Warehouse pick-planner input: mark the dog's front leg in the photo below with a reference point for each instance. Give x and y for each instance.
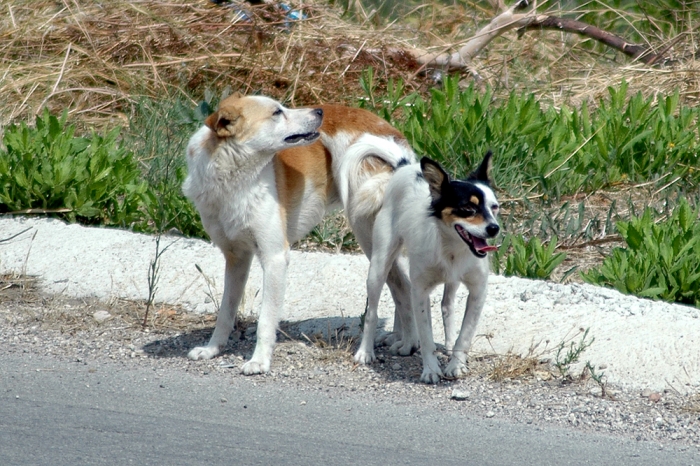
(420, 299)
(235, 277)
(448, 315)
(274, 268)
(457, 367)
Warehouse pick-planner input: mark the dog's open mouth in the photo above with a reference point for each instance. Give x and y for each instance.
(308, 137)
(478, 245)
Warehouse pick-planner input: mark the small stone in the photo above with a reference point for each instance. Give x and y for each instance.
(396, 367)
(646, 393)
(490, 414)
(101, 316)
(655, 397)
(459, 395)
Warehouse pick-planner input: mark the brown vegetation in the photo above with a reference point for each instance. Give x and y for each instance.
(96, 58)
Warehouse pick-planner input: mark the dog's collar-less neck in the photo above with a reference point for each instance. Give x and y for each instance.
(238, 166)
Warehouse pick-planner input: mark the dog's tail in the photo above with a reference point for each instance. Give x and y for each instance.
(364, 170)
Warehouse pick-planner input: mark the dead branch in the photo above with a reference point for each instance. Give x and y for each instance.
(461, 59)
(638, 52)
(524, 22)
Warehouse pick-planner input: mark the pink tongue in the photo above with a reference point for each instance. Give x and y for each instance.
(481, 246)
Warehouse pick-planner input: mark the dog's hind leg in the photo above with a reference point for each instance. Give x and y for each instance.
(384, 252)
(448, 315)
(420, 298)
(274, 268)
(457, 367)
(235, 277)
(397, 281)
(400, 288)
(403, 340)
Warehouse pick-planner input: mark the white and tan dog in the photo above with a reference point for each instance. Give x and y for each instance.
(262, 176)
(443, 225)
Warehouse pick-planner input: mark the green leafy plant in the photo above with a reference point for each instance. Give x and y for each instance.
(529, 259)
(91, 179)
(598, 377)
(660, 260)
(334, 233)
(158, 135)
(552, 151)
(571, 354)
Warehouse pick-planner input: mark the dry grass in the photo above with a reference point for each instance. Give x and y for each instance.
(95, 58)
(692, 404)
(70, 315)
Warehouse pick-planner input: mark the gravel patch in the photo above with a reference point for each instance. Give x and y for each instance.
(96, 334)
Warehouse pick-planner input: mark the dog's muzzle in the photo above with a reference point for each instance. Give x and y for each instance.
(478, 245)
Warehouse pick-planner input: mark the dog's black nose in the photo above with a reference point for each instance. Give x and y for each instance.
(319, 112)
(492, 230)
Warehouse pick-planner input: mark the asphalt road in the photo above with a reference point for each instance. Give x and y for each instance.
(56, 412)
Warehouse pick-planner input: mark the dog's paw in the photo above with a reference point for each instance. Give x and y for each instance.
(455, 369)
(404, 348)
(387, 339)
(253, 367)
(203, 352)
(430, 376)
(365, 357)
(431, 369)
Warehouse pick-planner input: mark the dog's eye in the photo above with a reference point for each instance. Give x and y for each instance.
(464, 213)
(277, 112)
(494, 208)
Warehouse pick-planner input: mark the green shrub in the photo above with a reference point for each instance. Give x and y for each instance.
(529, 259)
(661, 260)
(158, 135)
(91, 179)
(551, 151)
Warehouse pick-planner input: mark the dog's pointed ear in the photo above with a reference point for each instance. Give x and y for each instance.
(482, 172)
(224, 121)
(434, 175)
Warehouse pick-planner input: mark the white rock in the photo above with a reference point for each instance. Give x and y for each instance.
(102, 316)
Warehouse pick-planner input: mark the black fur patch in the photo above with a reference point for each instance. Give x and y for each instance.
(457, 195)
(402, 162)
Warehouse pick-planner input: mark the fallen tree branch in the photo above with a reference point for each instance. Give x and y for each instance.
(638, 52)
(510, 19)
(462, 58)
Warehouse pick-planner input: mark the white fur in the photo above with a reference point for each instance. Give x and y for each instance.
(232, 184)
(436, 255)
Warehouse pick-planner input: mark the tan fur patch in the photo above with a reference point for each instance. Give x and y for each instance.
(338, 118)
(238, 117)
(295, 168)
(375, 165)
(474, 200)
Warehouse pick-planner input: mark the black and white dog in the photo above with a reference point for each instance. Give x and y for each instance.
(443, 224)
